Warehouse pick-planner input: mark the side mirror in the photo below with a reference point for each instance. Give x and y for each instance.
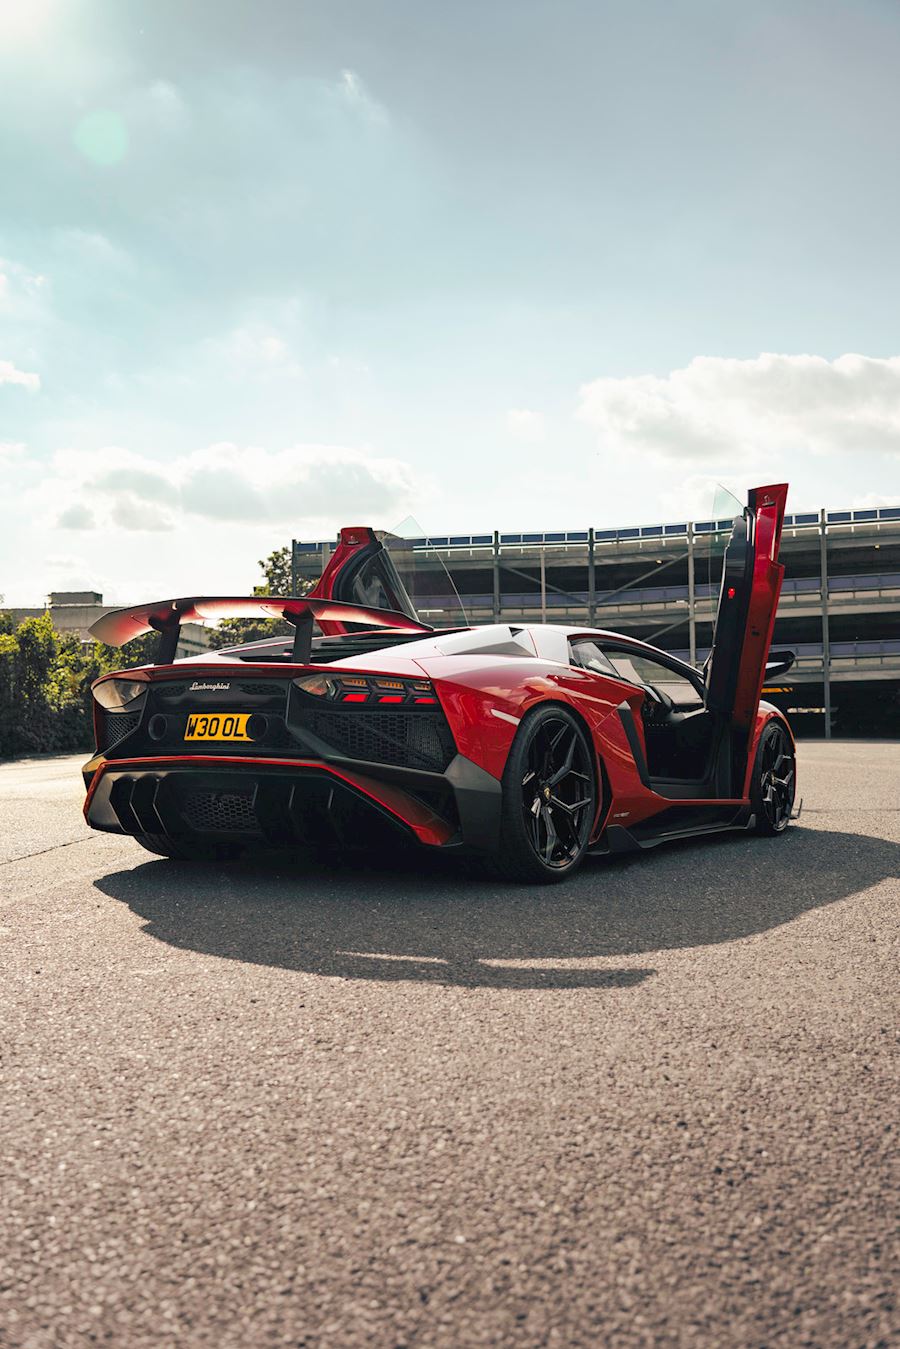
(779, 663)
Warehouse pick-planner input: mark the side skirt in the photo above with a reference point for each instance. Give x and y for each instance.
(617, 839)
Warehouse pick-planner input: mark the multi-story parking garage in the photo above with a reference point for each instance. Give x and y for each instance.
(839, 609)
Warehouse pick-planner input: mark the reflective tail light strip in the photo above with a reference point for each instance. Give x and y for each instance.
(336, 687)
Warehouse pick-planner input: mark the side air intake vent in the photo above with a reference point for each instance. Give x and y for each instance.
(114, 726)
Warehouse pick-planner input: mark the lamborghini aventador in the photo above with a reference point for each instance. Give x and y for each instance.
(532, 745)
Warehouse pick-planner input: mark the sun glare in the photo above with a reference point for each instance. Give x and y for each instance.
(23, 20)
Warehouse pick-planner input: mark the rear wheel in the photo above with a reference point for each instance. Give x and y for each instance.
(549, 798)
(774, 780)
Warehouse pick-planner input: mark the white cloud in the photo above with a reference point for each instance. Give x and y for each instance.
(9, 374)
(12, 449)
(525, 424)
(17, 281)
(129, 511)
(223, 494)
(305, 488)
(78, 516)
(710, 496)
(354, 92)
(166, 104)
(715, 407)
(874, 499)
(254, 350)
(93, 249)
(146, 484)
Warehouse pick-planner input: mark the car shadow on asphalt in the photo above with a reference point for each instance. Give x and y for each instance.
(434, 920)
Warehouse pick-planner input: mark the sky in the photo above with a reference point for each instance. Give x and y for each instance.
(268, 268)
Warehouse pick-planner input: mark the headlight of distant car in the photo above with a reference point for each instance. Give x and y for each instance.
(115, 695)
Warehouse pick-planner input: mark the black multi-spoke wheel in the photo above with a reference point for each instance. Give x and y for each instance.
(774, 780)
(549, 797)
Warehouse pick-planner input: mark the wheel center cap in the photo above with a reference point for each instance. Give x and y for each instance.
(546, 793)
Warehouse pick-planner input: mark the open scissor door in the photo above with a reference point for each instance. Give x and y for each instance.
(361, 567)
(400, 570)
(748, 598)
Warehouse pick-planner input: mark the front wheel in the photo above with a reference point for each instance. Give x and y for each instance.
(774, 780)
(549, 798)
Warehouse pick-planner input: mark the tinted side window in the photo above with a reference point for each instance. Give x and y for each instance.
(640, 669)
(588, 656)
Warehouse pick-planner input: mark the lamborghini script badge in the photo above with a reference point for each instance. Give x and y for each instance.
(207, 688)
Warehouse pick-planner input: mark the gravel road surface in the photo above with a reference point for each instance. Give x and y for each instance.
(278, 1105)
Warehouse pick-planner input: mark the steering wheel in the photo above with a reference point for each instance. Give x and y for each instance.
(662, 703)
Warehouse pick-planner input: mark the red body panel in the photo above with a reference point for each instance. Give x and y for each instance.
(484, 695)
(768, 573)
(351, 540)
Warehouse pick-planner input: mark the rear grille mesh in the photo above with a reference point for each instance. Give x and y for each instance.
(115, 726)
(226, 811)
(403, 739)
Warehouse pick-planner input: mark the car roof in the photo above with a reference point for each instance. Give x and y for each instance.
(544, 641)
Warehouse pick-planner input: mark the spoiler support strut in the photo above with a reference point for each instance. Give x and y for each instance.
(169, 631)
(303, 626)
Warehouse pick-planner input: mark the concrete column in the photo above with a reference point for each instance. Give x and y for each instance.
(592, 582)
(692, 606)
(543, 587)
(496, 566)
(826, 640)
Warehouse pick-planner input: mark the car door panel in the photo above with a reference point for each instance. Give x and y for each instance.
(748, 598)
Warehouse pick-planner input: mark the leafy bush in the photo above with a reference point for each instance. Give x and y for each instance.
(45, 685)
(46, 677)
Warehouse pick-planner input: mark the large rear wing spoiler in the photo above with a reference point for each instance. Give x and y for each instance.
(166, 617)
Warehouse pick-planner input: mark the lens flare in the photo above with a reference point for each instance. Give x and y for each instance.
(102, 137)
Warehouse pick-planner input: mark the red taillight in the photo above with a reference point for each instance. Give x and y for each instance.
(345, 688)
(731, 592)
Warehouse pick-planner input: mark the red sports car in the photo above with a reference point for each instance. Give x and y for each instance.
(530, 744)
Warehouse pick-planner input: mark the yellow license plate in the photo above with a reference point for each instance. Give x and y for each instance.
(217, 726)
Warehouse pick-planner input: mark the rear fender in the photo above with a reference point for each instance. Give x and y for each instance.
(484, 712)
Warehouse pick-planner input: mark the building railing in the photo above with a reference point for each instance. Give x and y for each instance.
(800, 520)
(814, 650)
(639, 596)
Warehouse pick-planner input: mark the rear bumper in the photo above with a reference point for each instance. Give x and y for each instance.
(292, 802)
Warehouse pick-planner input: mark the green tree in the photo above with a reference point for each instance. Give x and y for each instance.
(45, 677)
(9, 652)
(139, 651)
(37, 650)
(276, 569)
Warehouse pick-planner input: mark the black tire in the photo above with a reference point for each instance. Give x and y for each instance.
(549, 798)
(774, 781)
(163, 846)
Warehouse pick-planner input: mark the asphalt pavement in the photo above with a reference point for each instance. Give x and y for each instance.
(284, 1104)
